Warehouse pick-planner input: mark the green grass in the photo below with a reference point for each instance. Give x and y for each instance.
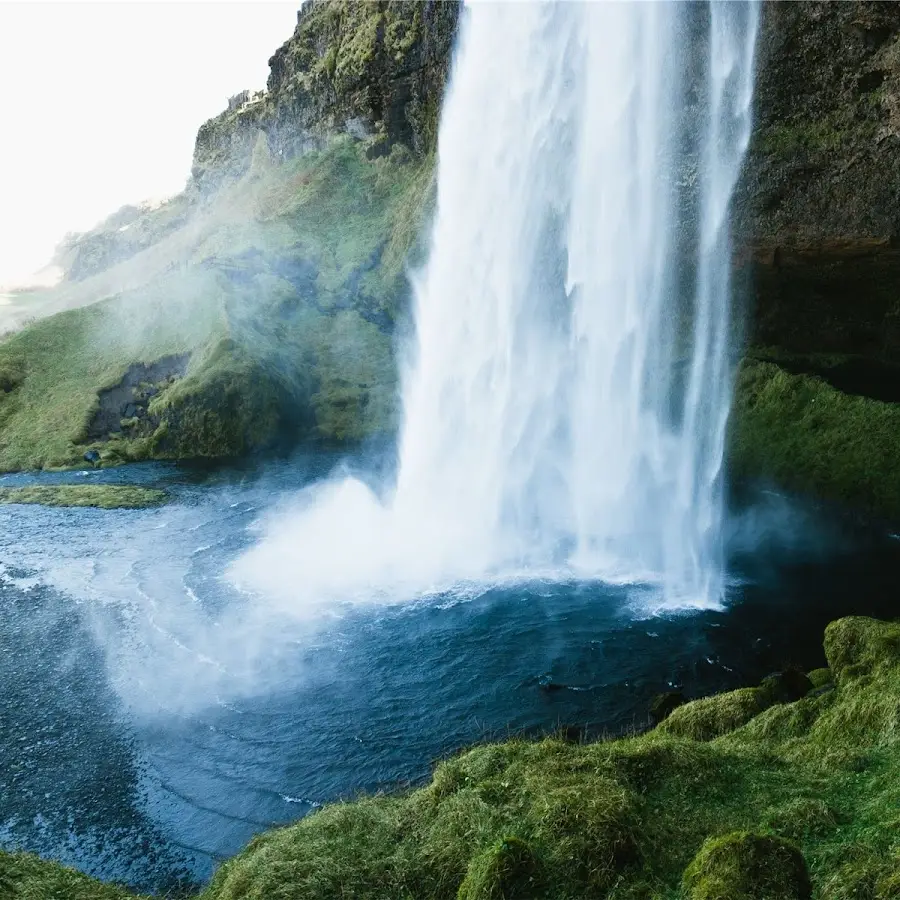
(104, 496)
(746, 806)
(280, 299)
(746, 866)
(25, 877)
(809, 437)
(57, 366)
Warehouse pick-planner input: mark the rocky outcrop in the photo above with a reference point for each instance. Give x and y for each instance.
(374, 70)
(817, 213)
(824, 164)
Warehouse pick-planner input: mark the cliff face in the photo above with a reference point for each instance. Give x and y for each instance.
(824, 165)
(374, 69)
(274, 281)
(818, 209)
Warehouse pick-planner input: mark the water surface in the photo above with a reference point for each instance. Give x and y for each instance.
(154, 718)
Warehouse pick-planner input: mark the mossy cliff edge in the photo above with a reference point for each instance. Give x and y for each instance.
(260, 308)
(739, 796)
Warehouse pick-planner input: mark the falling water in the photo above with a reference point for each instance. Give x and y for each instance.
(566, 403)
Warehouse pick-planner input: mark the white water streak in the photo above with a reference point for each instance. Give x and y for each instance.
(545, 425)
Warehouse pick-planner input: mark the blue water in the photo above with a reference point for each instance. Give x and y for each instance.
(153, 718)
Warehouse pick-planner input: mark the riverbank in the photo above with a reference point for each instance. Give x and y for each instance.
(739, 795)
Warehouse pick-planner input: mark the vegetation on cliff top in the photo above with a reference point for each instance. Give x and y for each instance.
(761, 804)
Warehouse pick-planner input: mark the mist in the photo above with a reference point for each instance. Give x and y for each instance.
(118, 127)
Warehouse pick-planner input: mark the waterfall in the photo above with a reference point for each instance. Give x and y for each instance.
(565, 406)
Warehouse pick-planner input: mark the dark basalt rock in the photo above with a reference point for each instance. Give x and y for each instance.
(129, 398)
(373, 70)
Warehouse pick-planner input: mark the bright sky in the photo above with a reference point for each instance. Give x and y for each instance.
(100, 103)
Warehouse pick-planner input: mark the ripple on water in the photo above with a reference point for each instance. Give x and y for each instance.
(158, 703)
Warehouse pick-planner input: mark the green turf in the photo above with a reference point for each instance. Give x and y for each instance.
(736, 802)
(25, 877)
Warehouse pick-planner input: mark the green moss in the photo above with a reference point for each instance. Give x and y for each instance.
(711, 717)
(25, 877)
(828, 134)
(744, 866)
(104, 496)
(824, 135)
(809, 437)
(229, 406)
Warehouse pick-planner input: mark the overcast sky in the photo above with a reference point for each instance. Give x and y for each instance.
(100, 103)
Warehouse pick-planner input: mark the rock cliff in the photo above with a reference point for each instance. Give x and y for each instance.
(372, 70)
(818, 210)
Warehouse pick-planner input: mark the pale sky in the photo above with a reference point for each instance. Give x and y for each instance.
(100, 103)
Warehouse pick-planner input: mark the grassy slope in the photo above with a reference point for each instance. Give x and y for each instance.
(807, 436)
(668, 814)
(277, 293)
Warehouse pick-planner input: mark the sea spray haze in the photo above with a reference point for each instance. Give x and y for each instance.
(566, 401)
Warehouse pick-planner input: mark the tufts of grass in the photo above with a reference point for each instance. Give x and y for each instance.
(712, 717)
(745, 866)
(800, 819)
(506, 871)
(102, 496)
(809, 437)
(25, 877)
(728, 798)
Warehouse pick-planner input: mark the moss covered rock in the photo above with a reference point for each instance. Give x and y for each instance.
(820, 678)
(785, 687)
(711, 717)
(271, 326)
(800, 432)
(746, 866)
(628, 819)
(856, 646)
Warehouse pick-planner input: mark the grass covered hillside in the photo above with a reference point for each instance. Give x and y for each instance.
(269, 321)
(740, 796)
(804, 434)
